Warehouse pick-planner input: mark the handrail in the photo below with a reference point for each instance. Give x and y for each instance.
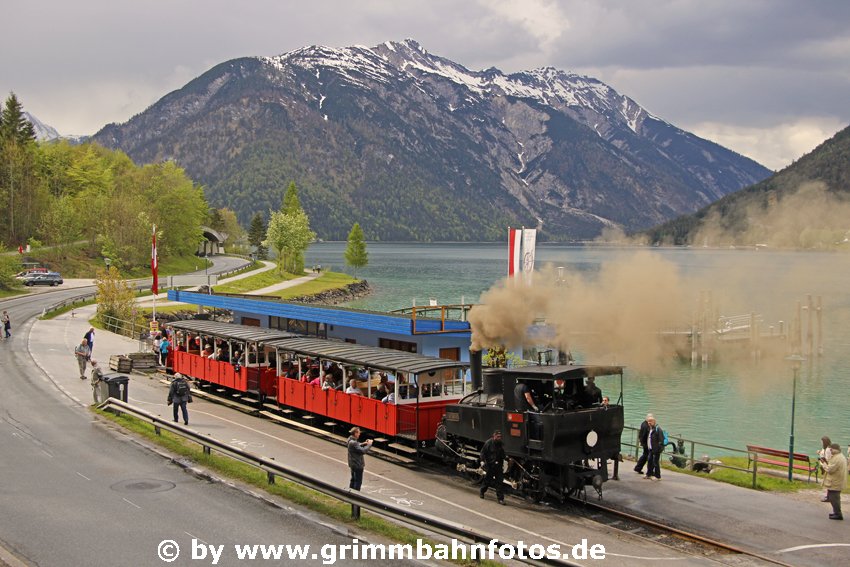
(353, 497)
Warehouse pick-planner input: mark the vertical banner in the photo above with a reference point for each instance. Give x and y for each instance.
(529, 240)
(154, 265)
(514, 245)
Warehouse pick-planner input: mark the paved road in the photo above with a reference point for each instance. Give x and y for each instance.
(73, 492)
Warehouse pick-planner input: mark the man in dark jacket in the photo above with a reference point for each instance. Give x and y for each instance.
(180, 394)
(493, 461)
(642, 435)
(655, 445)
(356, 462)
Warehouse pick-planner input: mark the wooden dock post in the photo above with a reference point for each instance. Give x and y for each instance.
(820, 326)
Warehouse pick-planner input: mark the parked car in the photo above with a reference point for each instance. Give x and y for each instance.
(29, 272)
(50, 278)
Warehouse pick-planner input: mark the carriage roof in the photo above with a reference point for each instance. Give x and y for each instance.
(368, 356)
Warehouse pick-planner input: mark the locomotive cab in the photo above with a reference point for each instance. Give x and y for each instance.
(559, 448)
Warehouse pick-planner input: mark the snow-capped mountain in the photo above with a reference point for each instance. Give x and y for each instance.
(415, 146)
(43, 132)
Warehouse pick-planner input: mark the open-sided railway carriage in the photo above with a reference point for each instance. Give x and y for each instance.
(557, 451)
(277, 362)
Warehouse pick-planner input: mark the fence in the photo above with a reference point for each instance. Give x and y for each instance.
(689, 456)
(273, 470)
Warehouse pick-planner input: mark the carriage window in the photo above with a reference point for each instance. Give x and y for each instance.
(452, 382)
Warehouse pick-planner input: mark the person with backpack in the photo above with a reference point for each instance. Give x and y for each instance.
(164, 347)
(655, 445)
(180, 394)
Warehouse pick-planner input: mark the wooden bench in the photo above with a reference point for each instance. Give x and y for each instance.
(801, 462)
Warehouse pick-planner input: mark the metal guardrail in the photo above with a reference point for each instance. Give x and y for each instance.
(353, 497)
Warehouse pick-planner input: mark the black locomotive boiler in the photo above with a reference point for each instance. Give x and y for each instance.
(558, 450)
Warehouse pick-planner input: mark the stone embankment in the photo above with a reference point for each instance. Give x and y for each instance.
(336, 296)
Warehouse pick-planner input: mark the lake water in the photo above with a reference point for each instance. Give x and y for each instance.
(725, 406)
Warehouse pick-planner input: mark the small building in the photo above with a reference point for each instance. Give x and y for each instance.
(441, 337)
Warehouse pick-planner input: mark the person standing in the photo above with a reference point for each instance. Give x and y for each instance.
(493, 461)
(89, 336)
(655, 445)
(357, 463)
(83, 354)
(180, 394)
(96, 377)
(643, 432)
(7, 324)
(835, 479)
(824, 453)
(164, 346)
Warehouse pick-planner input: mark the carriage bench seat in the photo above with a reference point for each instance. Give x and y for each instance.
(801, 461)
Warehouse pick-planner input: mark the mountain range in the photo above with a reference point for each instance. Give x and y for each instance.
(414, 146)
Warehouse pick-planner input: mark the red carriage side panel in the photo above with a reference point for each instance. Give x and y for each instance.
(363, 411)
(240, 379)
(339, 406)
(428, 418)
(294, 396)
(386, 419)
(268, 382)
(315, 399)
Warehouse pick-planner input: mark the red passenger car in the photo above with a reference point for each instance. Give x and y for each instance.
(397, 394)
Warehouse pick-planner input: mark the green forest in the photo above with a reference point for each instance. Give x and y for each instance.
(73, 199)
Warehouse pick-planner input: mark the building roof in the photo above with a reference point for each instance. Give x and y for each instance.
(343, 317)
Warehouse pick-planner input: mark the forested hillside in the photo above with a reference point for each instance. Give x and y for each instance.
(805, 205)
(56, 194)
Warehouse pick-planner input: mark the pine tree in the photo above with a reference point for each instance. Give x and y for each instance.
(14, 126)
(355, 253)
(256, 235)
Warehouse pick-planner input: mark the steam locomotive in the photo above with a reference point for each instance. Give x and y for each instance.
(557, 451)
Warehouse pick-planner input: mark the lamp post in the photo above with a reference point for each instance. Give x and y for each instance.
(795, 360)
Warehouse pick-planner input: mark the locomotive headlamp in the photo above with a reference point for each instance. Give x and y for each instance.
(591, 439)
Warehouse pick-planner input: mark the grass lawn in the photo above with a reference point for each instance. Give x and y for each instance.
(4, 293)
(745, 479)
(251, 283)
(328, 280)
(80, 261)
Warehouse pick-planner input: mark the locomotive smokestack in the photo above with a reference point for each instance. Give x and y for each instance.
(475, 368)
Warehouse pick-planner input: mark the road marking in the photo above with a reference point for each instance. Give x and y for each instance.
(443, 500)
(812, 546)
(131, 503)
(82, 475)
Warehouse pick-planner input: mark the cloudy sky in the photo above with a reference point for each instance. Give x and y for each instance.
(767, 78)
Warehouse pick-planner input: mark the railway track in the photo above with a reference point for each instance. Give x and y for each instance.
(700, 547)
(679, 539)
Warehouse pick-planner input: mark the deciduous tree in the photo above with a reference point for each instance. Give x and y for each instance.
(356, 255)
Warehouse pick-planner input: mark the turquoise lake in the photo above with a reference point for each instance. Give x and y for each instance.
(723, 406)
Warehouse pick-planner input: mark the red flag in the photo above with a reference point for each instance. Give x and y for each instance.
(514, 245)
(154, 265)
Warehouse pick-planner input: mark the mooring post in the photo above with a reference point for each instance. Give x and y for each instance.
(820, 326)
